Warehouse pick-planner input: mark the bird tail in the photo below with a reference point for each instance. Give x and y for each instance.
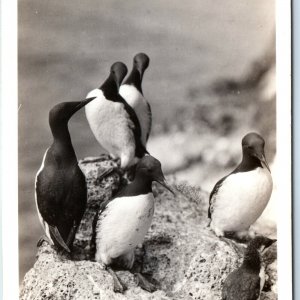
(58, 238)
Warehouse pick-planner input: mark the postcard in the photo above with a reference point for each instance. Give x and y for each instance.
(152, 150)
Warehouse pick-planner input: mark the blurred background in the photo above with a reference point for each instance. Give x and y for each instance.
(211, 80)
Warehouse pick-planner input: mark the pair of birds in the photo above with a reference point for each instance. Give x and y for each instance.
(122, 127)
(123, 130)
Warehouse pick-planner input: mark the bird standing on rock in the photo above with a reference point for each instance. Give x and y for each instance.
(113, 122)
(124, 220)
(246, 282)
(238, 199)
(60, 187)
(131, 91)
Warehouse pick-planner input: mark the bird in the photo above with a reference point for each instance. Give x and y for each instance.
(60, 186)
(131, 91)
(123, 221)
(246, 282)
(113, 121)
(238, 199)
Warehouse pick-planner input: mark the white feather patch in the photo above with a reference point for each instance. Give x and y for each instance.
(112, 127)
(42, 221)
(241, 199)
(262, 276)
(137, 101)
(122, 226)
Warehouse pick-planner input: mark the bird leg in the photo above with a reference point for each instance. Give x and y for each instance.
(105, 172)
(71, 235)
(146, 282)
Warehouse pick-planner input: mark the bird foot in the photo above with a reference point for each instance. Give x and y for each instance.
(103, 173)
(145, 284)
(43, 239)
(119, 286)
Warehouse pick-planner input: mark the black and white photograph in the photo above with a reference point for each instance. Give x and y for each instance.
(149, 164)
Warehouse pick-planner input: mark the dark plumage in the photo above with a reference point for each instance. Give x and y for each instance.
(61, 192)
(246, 282)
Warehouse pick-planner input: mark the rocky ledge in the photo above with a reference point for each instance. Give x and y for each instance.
(180, 252)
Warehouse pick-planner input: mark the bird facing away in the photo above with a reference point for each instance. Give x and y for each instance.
(113, 122)
(60, 187)
(131, 91)
(124, 221)
(238, 199)
(246, 282)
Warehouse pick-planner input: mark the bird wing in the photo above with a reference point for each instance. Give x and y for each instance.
(212, 196)
(140, 149)
(149, 120)
(52, 207)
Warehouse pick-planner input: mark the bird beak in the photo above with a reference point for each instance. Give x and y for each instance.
(164, 184)
(141, 72)
(262, 158)
(83, 103)
(161, 180)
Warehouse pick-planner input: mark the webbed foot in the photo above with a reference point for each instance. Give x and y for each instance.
(119, 286)
(145, 283)
(43, 239)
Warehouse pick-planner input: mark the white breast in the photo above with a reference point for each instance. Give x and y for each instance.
(42, 221)
(111, 126)
(241, 199)
(123, 225)
(137, 101)
(262, 276)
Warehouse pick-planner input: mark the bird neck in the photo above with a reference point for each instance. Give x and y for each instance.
(110, 88)
(252, 260)
(62, 142)
(141, 185)
(248, 163)
(135, 79)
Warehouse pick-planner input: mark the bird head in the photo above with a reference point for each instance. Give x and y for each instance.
(62, 112)
(261, 243)
(151, 168)
(253, 145)
(118, 71)
(141, 63)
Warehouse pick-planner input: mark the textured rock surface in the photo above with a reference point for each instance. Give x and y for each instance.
(182, 254)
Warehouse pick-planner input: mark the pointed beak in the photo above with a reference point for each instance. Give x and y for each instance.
(262, 158)
(141, 72)
(161, 180)
(83, 103)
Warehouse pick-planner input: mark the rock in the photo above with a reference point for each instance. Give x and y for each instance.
(181, 253)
